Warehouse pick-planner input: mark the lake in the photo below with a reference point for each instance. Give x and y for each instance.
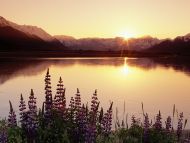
(158, 83)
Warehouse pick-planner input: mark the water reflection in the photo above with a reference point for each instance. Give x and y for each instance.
(177, 64)
(11, 68)
(125, 69)
(143, 63)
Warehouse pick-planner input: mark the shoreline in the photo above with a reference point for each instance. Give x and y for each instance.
(86, 54)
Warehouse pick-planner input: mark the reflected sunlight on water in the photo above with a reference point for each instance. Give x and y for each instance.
(125, 69)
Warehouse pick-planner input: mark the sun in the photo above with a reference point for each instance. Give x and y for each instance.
(127, 34)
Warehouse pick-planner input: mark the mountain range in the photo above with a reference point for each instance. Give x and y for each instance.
(30, 30)
(180, 46)
(23, 38)
(108, 44)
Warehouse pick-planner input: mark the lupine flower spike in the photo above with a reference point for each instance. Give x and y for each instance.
(3, 131)
(48, 97)
(180, 126)
(22, 109)
(59, 103)
(32, 123)
(146, 127)
(168, 124)
(12, 122)
(158, 122)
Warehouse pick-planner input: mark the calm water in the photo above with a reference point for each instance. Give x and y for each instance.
(157, 83)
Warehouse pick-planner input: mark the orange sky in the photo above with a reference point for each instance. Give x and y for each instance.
(102, 18)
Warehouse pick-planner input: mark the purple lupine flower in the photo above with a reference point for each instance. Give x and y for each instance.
(101, 114)
(82, 117)
(22, 105)
(94, 102)
(55, 103)
(32, 114)
(91, 126)
(72, 103)
(146, 121)
(107, 121)
(32, 103)
(146, 126)
(3, 131)
(22, 108)
(3, 137)
(71, 109)
(134, 121)
(180, 125)
(12, 122)
(48, 97)
(90, 134)
(94, 108)
(81, 120)
(77, 111)
(77, 100)
(158, 123)
(77, 105)
(109, 118)
(168, 124)
(59, 102)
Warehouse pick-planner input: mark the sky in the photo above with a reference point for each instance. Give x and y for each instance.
(102, 18)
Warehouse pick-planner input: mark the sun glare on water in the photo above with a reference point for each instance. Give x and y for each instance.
(125, 68)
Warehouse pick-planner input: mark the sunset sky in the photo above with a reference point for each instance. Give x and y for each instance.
(102, 18)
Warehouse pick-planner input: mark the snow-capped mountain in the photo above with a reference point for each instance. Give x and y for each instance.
(30, 30)
(104, 44)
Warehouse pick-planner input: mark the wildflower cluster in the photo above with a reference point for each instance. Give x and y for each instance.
(55, 122)
(147, 131)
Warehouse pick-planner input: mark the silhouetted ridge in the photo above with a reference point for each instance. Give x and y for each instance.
(12, 39)
(178, 46)
(23, 38)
